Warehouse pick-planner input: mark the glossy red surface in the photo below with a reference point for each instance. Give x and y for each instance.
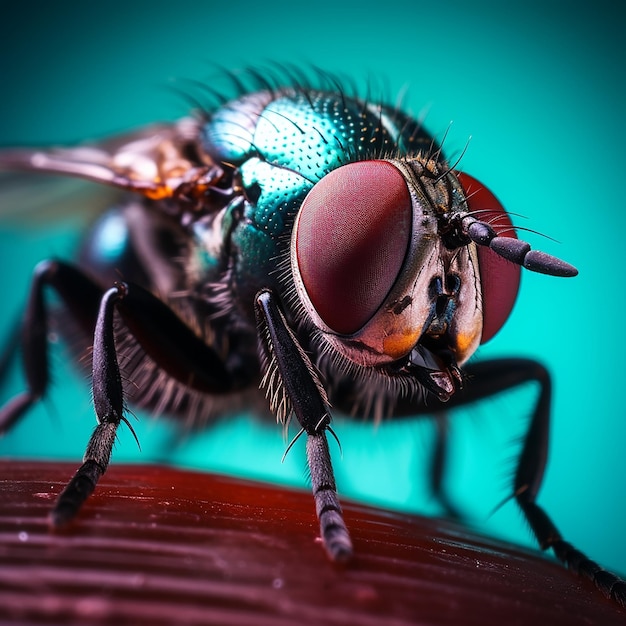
(161, 546)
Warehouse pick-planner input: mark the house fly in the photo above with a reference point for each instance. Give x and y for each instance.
(301, 241)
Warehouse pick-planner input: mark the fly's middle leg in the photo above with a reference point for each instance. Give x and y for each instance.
(303, 393)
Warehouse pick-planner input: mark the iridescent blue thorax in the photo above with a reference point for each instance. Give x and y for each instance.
(281, 144)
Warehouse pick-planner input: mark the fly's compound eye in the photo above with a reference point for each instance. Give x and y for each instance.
(351, 238)
(499, 278)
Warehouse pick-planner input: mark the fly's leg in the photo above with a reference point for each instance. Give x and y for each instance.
(82, 298)
(174, 347)
(333, 530)
(438, 466)
(108, 401)
(10, 351)
(491, 377)
(303, 393)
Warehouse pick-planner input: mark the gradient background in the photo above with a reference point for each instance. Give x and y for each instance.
(538, 86)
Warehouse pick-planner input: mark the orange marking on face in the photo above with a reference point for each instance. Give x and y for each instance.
(401, 343)
(465, 345)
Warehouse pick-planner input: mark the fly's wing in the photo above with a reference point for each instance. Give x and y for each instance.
(36, 201)
(160, 162)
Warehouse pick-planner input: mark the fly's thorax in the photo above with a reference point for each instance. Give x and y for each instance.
(373, 269)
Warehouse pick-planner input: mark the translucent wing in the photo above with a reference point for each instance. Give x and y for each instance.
(34, 200)
(154, 161)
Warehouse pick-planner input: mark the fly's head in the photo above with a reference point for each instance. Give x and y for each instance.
(408, 266)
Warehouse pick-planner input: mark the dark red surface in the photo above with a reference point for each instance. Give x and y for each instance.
(161, 546)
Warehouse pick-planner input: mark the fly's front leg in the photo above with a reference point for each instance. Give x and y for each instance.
(108, 399)
(173, 346)
(81, 297)
(303, 393)
(491, 377)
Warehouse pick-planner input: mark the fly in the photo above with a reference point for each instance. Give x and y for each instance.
(302, 241)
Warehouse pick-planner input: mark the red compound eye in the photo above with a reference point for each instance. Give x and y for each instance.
(352, 236)
(499, 278)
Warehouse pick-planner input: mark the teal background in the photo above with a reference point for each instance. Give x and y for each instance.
(539, 88)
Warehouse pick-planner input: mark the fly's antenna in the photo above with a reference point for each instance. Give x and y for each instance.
(514, 250)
